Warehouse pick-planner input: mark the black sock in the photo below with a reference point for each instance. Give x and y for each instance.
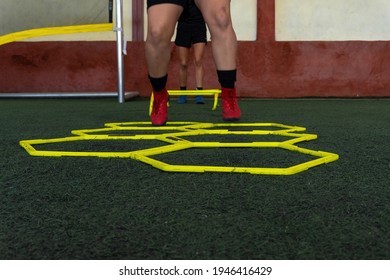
(158, 84)
(227, 78)
(199, 88)
(183, 88)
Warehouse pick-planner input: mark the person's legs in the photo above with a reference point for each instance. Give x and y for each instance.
(184, 54)
(224, 46)
(162, 19)
(224, 41)
(199, 72)
(198, 61)
(183, 59)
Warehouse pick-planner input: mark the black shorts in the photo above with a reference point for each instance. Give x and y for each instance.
(182, 3)
(189, 34)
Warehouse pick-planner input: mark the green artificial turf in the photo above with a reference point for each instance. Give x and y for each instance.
(113, 208)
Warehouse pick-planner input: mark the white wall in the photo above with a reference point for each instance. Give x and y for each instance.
(244, 16)
(332, 20)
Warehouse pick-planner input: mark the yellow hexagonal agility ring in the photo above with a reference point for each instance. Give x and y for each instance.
(179, 137)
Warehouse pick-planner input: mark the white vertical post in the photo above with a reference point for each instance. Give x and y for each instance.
(120, 45)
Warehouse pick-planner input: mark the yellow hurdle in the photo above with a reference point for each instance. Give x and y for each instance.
(213, 92)
(61, 30)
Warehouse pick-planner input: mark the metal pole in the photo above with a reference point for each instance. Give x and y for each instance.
(58, 94)
(128, 94)
(110, 10)
(120, 44)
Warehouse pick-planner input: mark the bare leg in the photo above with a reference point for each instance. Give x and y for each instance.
(198, 61)
(184, 54)
(224, 41)
(162, 19)
(217, 15)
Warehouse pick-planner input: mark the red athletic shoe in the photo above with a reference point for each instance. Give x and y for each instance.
(230, 109)
(159, 113)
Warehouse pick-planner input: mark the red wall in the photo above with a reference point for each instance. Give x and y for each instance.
(265, 68)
